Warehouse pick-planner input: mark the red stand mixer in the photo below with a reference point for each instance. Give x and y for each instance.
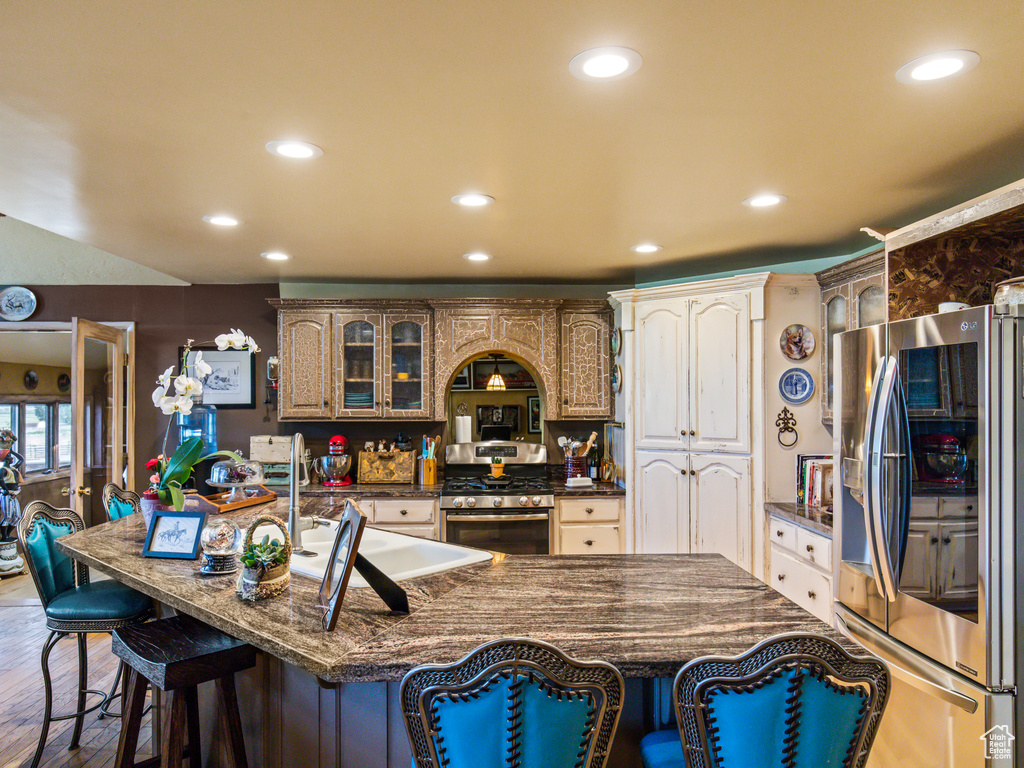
(333, 468)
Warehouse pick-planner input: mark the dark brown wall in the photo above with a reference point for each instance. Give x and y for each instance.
(165, 318)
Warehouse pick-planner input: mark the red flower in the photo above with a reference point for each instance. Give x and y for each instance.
(152, 463)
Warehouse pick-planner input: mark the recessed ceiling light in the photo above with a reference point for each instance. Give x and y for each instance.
(221, 220)
(476, 256)
(646, 248)
(275, 255)
(296, 150)
(607, 63)
(473, 200)
(764, 201)
(937, 66)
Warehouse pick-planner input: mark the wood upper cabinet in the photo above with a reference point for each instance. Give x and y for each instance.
(306, 350)
(720, 373)
(358, 356)
(408, 365)
(852, 296)
(662, 376)
(586, 365)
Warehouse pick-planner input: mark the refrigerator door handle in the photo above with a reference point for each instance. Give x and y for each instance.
(869, 480)
(903, 661)
(876, 472)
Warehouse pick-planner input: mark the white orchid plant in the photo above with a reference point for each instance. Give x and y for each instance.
(170, 474)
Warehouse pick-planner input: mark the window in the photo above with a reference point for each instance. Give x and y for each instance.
(43, 430)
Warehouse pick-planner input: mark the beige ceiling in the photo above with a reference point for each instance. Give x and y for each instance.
(123, 122)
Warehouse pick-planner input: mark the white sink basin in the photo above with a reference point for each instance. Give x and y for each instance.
(399, 556)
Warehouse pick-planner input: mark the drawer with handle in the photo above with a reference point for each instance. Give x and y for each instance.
(405, 510)
(584, 510)
(803, 584)
(590, 540)
(782, 533)
(817, 549)
(419, 531)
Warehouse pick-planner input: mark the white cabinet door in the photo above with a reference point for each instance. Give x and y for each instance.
(720, 372)
(918, 576)
(661, 374)
(720, 506)
(958, 544)
(663, 502)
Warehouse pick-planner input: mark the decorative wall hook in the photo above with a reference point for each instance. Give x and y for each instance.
(786, 422)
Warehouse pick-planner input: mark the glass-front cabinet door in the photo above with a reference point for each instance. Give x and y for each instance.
(358, 383)
(835, 319)
(406, 367)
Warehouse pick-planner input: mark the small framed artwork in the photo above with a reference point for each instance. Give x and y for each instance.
(533, 415)
(232, 383)
(174, 534)
(462, 380)
(797, 342)
(796, 386)
(339, 565)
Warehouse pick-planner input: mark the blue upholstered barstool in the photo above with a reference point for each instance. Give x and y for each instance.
(792, 700)
(512, 703)
(73, 606)
(118, 503)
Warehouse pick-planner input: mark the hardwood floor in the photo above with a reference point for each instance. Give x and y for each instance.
(22, 634)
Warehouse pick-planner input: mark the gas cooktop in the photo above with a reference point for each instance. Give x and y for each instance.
(486, 484)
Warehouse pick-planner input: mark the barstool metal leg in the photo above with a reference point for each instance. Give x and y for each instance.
(47, 693)
(112, 694)
(83, 682)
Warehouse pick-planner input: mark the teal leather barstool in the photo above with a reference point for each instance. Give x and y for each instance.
(73, 605)
(512, 703)
(118, 503)
(793, 700)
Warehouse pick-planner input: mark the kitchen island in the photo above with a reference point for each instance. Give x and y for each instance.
(646, 614)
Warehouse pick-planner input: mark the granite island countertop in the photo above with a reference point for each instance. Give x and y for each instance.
(646, 614)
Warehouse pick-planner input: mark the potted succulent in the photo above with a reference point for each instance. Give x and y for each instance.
(497, 466)
(265, 570)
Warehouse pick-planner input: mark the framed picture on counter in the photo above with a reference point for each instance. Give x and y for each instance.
(174, 534)
(232, 383)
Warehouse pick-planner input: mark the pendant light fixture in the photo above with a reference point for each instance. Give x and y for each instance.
(496, 383)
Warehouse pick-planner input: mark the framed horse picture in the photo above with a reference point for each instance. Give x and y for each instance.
(174, 534)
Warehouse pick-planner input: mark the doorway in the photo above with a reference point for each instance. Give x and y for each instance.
(497, 398)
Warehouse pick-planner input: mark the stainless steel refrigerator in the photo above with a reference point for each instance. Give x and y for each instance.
(929, 420)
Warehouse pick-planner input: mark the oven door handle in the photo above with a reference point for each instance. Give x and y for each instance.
(494, 518)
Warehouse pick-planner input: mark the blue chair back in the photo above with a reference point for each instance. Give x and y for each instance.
(119, 503)
(512, 703)
(794, 700)
(52, 571)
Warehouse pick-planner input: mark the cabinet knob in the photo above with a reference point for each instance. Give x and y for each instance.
(388, 402)
(682, 432)
(810, 547)
(935, 539)
(565, 401)
(970, 507)
(65, 491)
(946, 539)
(692, 433)
(325, 403)
(693, 472)
(403, 512)
(780, 534)
(589, 542)
(589, 510)
(782, 577)
(812, 595)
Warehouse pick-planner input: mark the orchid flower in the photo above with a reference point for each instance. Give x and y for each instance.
(202, 368)
(186, 386)
(234, 340)
(163, 384)
(172, 405)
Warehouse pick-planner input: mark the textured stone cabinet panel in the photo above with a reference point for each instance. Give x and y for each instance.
(306, 351)
(586, 365)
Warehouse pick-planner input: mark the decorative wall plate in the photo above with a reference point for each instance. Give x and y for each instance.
(616, 341)
(796, 386)
(31, 380)
(616, 378)
(797, 342)
(63, 382)
(17, 303)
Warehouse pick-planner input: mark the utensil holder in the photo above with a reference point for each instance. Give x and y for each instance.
(428, 471)
(576, 466)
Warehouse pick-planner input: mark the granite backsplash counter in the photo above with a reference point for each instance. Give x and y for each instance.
(647, 614)
(407, 490)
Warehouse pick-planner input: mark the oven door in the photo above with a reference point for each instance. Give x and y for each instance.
(513, 534)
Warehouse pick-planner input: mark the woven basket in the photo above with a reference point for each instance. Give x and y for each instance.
(255, 583)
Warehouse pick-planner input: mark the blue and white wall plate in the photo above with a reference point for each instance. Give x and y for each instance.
(796, 386)
(17, 303)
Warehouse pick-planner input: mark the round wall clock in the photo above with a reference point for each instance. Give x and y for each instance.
(796, 386)
(797, 342)
(17, 303)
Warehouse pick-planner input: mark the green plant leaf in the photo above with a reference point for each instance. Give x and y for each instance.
(180, 465)
(178, 497)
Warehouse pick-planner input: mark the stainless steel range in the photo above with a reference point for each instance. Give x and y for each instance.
(510, 513)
